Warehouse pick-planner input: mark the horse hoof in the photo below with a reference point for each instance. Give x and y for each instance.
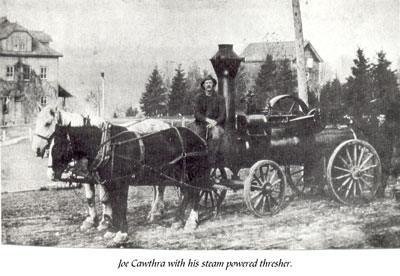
(88, 224)
(191, 225)
(193, 221)
(121, 238)
(104, 225)
(109, 235)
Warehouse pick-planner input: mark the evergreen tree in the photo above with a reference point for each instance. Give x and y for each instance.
(385, 88)
(265, 88)
(131, 111)
(331, 101)
(358, 86)
(242, 88)
(178, 92)
(154, 99)
(286, 80)
(193, 81)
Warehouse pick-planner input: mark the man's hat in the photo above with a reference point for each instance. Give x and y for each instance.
(209, 77)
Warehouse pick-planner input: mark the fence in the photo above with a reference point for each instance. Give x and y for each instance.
(9, 132)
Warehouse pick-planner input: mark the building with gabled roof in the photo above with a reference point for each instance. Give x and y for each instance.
(256, 53)
(25, 57)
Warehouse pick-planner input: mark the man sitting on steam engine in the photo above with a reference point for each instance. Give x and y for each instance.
(210, 115)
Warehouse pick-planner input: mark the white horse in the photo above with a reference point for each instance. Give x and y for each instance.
(50, 116)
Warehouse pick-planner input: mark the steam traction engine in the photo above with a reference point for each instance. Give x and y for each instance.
(287, 143)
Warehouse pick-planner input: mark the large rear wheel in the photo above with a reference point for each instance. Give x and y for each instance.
(354, 172)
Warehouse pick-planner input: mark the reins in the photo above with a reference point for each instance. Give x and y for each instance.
(140, 162)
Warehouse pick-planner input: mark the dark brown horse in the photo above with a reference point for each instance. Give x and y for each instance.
(176, 155)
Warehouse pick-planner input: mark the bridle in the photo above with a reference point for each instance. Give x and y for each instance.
(69, 151)
(48, 139)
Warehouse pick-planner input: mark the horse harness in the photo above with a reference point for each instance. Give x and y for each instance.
(106, 154)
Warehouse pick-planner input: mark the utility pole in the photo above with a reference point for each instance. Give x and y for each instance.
(103, 97)
(300, 57)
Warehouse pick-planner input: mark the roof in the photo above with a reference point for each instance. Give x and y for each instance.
(41, 36)
(256, 52)
(7, 28)
(40, 41)
(63, 93)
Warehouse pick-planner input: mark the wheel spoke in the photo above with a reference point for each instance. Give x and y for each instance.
(366, 182)
(292, 107)
(267, 172)
(355, 154)
(354, 188)
(344, 161)
(348, 188)
(343, 184)
(257, 196)
(299, 180)
(258, 180)
(296, 172)
(272, 176)
(277, 181)
(342, 169)
(267, 204)
(368, 175)
(360, 187)
(366, 160)
(274, 200)
(348, 156)
(342, 176)
(361, 156)
(367, 168)
(260, 201)
(262, 174)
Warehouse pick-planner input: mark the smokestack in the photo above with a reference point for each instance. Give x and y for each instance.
(226, 65)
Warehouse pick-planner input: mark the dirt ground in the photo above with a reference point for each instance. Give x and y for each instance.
(53, 217)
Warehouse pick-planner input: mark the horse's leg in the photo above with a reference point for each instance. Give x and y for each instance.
(193, 220)
(106, 219)
(120, 212)
(90, 221)
(157, 207)
(180, 213)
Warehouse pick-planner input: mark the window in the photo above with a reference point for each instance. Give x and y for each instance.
(310, 63)
(43, 73)
(10, 72)
(43, 100)
(21, 46)
(26, 71)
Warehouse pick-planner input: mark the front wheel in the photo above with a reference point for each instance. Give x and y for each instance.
(354, 172)
(264, 188)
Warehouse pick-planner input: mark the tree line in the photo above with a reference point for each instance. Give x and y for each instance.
(371, 88)
(160, 100)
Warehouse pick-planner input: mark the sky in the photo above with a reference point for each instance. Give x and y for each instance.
(127, 38)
